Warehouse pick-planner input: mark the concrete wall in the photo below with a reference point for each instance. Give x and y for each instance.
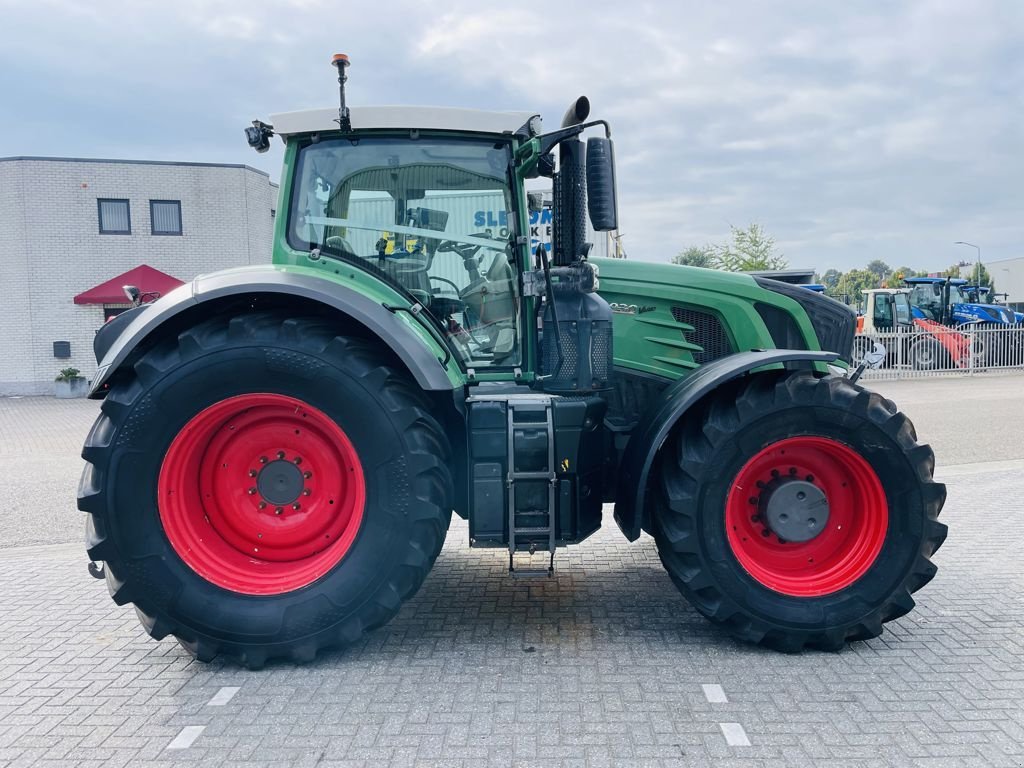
(1008, 276)
(51, 248)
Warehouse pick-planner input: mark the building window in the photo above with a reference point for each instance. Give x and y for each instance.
(165, 216)
(115, 218)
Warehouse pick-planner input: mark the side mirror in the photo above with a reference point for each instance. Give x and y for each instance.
(601, 198)
(132, 293)
(535, 202)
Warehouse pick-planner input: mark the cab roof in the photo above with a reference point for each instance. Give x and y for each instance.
(423, 118)
(952, 280)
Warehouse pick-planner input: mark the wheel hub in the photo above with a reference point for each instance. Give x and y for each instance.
(796, 510)
(769, 526)
(261, 493)
(280, 482)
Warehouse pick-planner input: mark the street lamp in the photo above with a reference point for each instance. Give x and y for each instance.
(977, 270)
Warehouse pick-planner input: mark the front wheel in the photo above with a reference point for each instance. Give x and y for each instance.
(262, 487)
(799, 511)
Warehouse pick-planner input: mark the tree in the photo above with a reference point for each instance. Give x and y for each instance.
(831, 279)
(854, 282)
(901, 272)
(696, 256)
(750, 249)
(879, 269)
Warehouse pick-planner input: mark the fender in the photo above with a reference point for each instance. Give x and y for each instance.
(429, 371)
(671, 405)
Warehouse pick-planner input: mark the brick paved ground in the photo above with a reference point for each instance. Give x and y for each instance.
(603, 665)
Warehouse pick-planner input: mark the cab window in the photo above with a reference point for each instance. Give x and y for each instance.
(433, 217)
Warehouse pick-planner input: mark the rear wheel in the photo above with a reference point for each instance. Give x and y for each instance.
(927, 354)
(261, 487)
(800, 511)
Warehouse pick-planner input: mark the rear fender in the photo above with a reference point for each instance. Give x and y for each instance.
(430, 371)
(671, 406)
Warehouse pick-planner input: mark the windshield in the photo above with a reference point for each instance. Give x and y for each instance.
(956, 297)
(902, 308)
(928, 298)
(434, 217)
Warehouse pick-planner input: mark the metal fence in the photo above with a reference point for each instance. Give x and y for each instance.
(937, 350)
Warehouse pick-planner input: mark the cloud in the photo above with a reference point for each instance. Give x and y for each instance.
(849, 131)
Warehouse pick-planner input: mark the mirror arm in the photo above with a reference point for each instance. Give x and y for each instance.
(549, 140)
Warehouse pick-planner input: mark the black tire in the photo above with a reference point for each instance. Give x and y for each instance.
(927, 354)
(697, 469)
(403, 451)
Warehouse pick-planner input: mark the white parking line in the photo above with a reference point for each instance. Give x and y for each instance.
(714, 693)
(734, 734)
(222, 697)
(188, 735)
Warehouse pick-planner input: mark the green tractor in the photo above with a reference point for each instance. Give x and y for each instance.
(280, 447)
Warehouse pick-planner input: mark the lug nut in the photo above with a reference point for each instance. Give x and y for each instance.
(792, 470)
(307, 474)
(755, 518)
(253, 473)
(298, 459)
(296, 505)
(306, 491)
(753, 499)
(280, 454)
(252, 491)
(263, 505)
(278, 510)
(766, 533)
(264, 459)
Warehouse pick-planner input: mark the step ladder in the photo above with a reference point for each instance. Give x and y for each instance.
(531, 534)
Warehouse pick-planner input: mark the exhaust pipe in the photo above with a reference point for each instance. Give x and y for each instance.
(577, 113)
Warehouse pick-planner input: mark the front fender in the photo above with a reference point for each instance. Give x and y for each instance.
(671, 406)
(430, 372)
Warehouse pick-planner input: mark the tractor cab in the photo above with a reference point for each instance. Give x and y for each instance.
(952, 301)
(933, 298)
(430, 206)
(885, 310)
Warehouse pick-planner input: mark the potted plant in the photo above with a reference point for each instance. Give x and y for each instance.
(70, 383)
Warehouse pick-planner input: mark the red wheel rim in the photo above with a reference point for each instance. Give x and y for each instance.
(850, 540)
(226, 488)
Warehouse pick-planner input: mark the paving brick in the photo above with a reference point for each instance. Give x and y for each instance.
(600, 666)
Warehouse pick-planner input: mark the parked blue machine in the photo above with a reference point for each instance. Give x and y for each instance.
(946, 301)
(979, 294)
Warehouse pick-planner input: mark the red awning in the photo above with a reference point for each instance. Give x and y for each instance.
(143, 277)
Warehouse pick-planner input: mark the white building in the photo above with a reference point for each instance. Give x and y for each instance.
(1008, 276)
(69, 225)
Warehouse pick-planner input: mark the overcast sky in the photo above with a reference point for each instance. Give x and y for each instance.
(850, 130)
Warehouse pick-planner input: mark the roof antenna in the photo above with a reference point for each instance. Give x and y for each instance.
(340, 61)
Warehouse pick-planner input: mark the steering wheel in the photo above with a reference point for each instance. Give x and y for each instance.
(465, 250)
(446, 280)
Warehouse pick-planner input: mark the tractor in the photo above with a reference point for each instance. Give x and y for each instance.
(925, 345)
(280, 447)
(997, 335)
